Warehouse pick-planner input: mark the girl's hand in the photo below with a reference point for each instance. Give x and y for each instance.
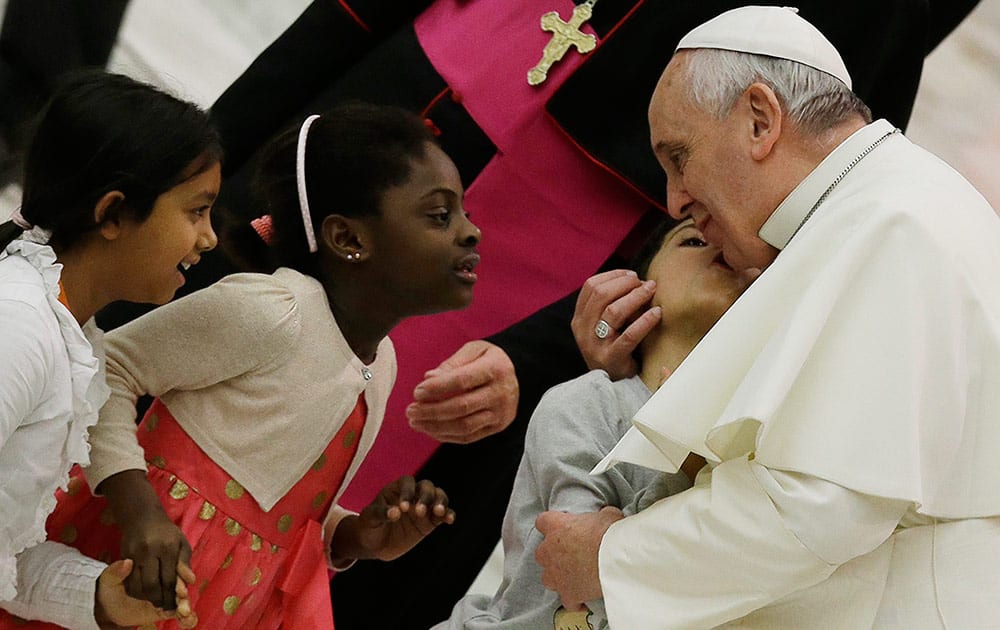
(157, 547)
(113, 608)
(149, 538)
(400, 516)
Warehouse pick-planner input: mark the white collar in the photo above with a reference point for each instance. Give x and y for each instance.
(789, 216)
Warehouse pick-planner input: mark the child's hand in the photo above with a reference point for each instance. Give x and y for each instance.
(400, 516)
(113, 608)
(157, 547)
(149, 538)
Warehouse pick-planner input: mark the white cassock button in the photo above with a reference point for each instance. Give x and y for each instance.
(365, 372)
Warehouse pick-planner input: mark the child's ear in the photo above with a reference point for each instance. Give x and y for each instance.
(345, 237)
(107, 214)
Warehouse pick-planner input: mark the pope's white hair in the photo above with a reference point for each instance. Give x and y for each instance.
(814, 100)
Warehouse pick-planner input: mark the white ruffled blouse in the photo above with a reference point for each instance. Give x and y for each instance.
(52, 386)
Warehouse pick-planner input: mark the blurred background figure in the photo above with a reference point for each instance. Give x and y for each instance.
(39, 41)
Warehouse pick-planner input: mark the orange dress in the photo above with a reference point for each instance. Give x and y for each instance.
(255, 569)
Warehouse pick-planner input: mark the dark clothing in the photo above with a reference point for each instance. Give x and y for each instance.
(40, 40)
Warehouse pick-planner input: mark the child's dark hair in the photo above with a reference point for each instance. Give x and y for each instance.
(354, 153)
(644, 257)
(102, 132)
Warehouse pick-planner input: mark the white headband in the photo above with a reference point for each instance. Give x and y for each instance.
(300, 178)
(20, 221)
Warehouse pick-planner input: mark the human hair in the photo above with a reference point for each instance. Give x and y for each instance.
(354, 152)
(814, 100)
(644, 256)
(103, 132)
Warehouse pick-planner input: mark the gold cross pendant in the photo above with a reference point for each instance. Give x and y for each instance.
(564, 35)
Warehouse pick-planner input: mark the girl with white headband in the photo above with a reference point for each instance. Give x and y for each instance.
(269, 387)
(118, 186)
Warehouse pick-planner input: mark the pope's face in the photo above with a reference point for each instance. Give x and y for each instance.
(709, 172)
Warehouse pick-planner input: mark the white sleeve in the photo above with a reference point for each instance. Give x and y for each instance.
(742, 538)
(57, 584)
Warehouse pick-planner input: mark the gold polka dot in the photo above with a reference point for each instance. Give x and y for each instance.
(255, 576)
(274, 548)
(349, 439)
(207, 511)
(285, 523)
(255, 542)
(152, 422)
(230, 604)
(228, 561)
(232, 527)
(68, 534)
(319, 499)
(107, 517)
(319, 462)
(179, 490)
(158, 461)
(233, 489)
(74, 486)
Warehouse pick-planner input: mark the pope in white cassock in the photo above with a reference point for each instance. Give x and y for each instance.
(848, 404)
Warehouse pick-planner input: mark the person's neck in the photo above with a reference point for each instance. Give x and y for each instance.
(794, 159)
(663, 350)
(83, 282)
(815, 148)
(362, 323)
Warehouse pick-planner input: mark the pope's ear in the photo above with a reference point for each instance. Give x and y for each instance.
(765, 117)
(108, 214)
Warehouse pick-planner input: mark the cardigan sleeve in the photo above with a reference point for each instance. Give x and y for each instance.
(210, 336)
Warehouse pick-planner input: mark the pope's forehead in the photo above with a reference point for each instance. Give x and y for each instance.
(673, 82)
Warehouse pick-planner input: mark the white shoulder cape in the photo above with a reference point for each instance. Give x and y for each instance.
(867, 354)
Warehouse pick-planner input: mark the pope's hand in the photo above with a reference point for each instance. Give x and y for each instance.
(471, 395)
(568, 553)
(620, 300)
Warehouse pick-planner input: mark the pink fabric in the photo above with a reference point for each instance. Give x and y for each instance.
(549, 215)
(255, 569)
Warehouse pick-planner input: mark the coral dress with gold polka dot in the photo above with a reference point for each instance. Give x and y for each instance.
(255, 569)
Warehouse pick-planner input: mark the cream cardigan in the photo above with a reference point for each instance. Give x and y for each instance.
(256, 371)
